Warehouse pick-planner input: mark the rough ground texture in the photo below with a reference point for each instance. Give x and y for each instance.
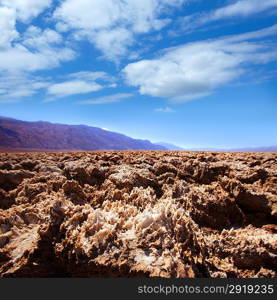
(131, 214)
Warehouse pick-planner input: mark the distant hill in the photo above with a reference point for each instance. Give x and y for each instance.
(170, 146)
(246, 149)
(16, 134)
(256, 149)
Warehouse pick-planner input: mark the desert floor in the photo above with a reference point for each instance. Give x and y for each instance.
(138, 214)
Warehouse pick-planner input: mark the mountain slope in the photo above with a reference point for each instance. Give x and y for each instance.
(48, 136)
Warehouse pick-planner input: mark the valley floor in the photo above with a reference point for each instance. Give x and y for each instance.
(138, 214)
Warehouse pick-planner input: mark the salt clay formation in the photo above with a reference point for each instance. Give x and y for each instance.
(138, 214)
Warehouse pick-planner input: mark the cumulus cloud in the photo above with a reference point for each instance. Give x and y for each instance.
(20, 58)
(107, 99)
(26, 10)
(33, 50)
(37, 50)
(114, 43)
(17, 10)
(111, 25)
(195, 70)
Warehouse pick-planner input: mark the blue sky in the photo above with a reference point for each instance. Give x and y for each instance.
(195, 73)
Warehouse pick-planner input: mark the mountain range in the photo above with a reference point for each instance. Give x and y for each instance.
(16, 134)
(45, 136)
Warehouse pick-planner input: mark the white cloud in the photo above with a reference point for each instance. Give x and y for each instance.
(141, 16)
(73, 87)
(165, 110)
(111, 25)
(241, 8)
(113, 43)
(107, 99)
(195, 70)
(19, 58)
(34, 49)
(18, 85)
(253, 35)
(78, 83)
(26, 9)
(13, 87)
(13, 10)
(37, 39)
(7, 25)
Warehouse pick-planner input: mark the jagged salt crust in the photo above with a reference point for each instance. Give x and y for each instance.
(138, 214)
